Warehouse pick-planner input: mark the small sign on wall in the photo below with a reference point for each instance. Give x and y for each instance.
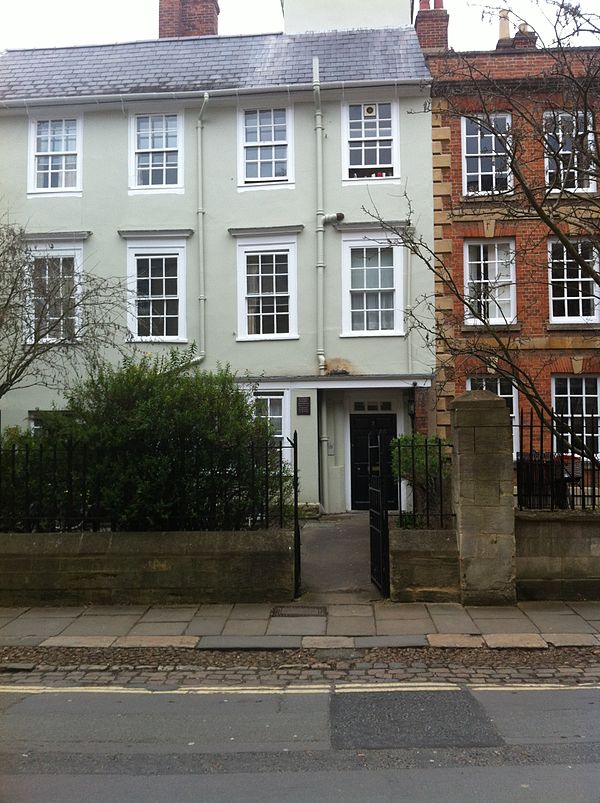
(303, 405)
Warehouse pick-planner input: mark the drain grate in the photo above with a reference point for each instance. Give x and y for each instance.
(299, 610)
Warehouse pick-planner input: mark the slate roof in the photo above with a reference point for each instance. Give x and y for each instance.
(211, 63)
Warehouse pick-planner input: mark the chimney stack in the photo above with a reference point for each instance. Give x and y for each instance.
(431, 25)
(188, 18)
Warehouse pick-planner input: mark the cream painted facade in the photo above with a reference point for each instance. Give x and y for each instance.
(301, 16)
(215, 219)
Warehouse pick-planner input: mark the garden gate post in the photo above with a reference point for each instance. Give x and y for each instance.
(482, 483)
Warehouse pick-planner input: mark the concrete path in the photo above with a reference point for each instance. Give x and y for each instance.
(331, 623)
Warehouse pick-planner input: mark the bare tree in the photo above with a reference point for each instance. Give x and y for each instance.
(524, 122)
(53, 315)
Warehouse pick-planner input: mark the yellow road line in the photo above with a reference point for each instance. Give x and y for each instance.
(338, 688)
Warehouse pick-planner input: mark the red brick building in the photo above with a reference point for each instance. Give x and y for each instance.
(517, 217)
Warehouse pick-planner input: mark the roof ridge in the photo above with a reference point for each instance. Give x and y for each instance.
(220, 37)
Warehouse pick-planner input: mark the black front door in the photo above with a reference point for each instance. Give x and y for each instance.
(360, 426)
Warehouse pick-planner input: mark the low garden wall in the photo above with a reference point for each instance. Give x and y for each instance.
(423, 565)
(157, 567)
(558, 554)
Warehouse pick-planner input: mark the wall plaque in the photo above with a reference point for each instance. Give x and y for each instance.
(303, 405)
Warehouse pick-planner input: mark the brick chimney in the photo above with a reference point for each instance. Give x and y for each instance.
(188, 18)
(431, 25)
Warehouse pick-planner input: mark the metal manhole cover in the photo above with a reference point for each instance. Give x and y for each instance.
(299, 610)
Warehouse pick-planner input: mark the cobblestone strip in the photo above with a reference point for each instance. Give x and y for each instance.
(168, 671)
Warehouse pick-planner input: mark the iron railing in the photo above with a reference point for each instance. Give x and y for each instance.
(557, 463)
(69, 486)
(422, 467)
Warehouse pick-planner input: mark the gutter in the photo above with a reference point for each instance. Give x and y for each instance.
(199, 94)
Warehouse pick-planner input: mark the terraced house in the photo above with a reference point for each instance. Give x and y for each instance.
(236, 186)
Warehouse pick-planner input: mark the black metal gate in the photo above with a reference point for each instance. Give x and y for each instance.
(378, 516)
(297, 544)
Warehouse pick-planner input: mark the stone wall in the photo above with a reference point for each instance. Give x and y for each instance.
(424, 566)
(165, 568)
(558, 554)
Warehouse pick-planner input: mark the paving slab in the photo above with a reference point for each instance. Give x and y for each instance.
(21, 641)
(350, 626)
(79, 641)
(12, 611)
(156, 641)
(214, 610)
(55, 612)
(350, 610)
(101, 626)
(390, 641)
(174, 614)
(158, 629)
(454, 640)
(494, 612)
(327, 643)
(571, 639)
(245, 627)
(297, 626)
(339, 597)
(589, 610)
(444, 607)
(250, 643)
(32, 626)
(543, 606)
(455, 624)
(401, 610)
(115, 610)
(562, 623)
(390, 627)
(250, 611)
(513, 625)
(518, 641)
(206, 626)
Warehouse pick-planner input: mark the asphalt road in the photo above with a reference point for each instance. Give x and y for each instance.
(394, 742)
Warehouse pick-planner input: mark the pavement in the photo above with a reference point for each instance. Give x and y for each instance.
(323, 622)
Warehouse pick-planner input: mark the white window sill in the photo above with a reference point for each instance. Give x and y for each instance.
(263, 338)
(54, 194)
(156, 190)
(488, 194)
(375, 333)
(354, 182)
(135, 339)
(572, 190)
(569, 322)
(500, 323)
(267, 185)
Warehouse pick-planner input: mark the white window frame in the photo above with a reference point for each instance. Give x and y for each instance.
(345, 139)
(41, 249)
(553, 116)
(267, 245)
(514, 416)
(266, 183)
(595, 318)
(569, 396)
(149, 189)
(284, 396)
(54, 192)
(497, 320)
(373, 240)
(156, 247)
(482, 121)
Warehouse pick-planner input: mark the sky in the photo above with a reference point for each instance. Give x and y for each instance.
(58, 23)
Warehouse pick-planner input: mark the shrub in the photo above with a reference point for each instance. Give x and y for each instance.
(424, 463)
(153, 444)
